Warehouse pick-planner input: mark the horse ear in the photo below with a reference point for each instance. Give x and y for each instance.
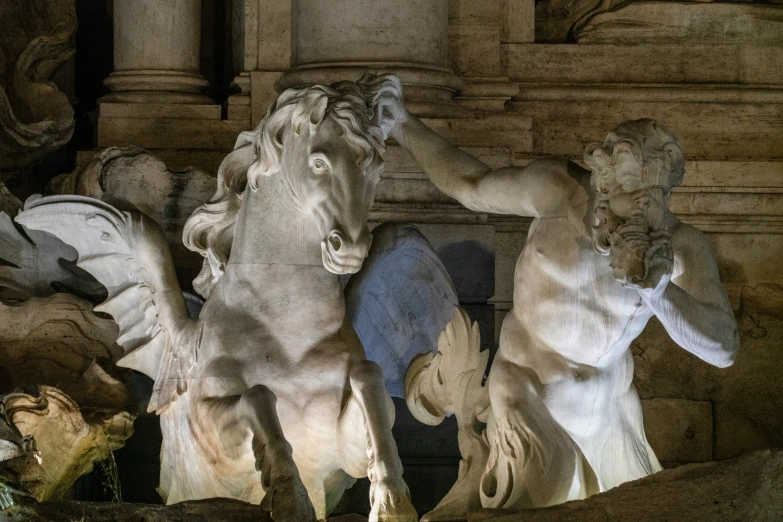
(319, 110)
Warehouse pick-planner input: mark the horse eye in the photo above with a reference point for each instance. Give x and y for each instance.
(319, 166)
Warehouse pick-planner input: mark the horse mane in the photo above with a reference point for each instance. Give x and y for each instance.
(210, 229)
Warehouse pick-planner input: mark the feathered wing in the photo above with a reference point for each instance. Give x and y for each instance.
(128, 254)
(400, 301)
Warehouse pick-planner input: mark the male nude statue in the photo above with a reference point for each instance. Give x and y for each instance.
(603, 255)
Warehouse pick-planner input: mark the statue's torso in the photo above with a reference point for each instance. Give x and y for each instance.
(566, 300)
(571, 328)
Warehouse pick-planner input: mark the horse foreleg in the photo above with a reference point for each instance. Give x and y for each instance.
(389, 495)
(255, 413)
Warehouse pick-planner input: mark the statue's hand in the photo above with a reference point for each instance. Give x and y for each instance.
(390, 113)
(659, 260)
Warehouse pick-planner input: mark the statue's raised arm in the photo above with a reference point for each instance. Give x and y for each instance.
(540, 189)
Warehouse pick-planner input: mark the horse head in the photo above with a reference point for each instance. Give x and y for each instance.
(326, 142)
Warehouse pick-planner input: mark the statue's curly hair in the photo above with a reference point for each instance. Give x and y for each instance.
(210, 229)
(657, 150)
(660, 159)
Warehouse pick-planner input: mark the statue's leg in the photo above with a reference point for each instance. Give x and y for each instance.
(254, 413)
(533, 462)
(365, 427)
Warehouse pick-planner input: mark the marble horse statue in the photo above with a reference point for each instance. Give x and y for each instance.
(268, 397)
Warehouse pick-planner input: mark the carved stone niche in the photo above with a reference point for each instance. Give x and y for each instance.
(50, 436)
(36, 118)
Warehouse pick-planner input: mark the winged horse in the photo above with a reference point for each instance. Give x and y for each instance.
(268, 396)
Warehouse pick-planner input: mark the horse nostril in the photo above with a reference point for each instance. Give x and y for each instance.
(335, 242)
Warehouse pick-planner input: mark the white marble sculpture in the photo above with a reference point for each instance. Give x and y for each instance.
(452, 382)
(603, 256)
(271, 378)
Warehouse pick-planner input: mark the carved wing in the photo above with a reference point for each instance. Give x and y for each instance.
(400, 301)
(128, 254)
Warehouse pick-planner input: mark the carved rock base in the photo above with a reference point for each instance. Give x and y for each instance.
(746, 488)
(193, 511)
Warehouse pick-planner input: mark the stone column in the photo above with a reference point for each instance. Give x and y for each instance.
(339, 39)
(157, 46)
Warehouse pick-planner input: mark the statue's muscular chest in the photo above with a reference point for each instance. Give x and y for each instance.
(566, 297)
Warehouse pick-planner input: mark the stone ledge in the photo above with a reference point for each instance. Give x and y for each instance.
(170, 133)
(663, 63)
(191, 511)
(185, 111)
(746, 488)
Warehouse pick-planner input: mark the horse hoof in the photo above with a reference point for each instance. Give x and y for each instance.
(392, 506)
(290, 502)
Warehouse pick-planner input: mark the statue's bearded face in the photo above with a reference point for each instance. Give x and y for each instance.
(630, 215)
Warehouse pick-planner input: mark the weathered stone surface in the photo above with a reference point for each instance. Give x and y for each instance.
(52, 341)
(747, 396)
(662, 64)
(518, 21)
(204, 510)
(555, 20)
(684, 23)
(68, 438)
(8, 202)
(191, 511)
(185, 111)
(57, 341)
(679, 430)
(170, 133)
(572, 121)
(747, 488)
(157, 53)
(36, 118)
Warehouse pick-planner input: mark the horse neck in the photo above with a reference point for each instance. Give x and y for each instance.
(271, 231)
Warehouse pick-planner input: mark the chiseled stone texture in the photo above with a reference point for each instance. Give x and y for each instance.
(686, 22)
(746, 488)
(192, 511)
(52, 341)
(401, 31)
(747, 396)
(58, 341)
(679, 430)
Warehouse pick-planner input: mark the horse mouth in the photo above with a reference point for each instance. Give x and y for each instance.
(341, 264)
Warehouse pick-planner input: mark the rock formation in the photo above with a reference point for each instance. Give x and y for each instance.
(50, 436)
